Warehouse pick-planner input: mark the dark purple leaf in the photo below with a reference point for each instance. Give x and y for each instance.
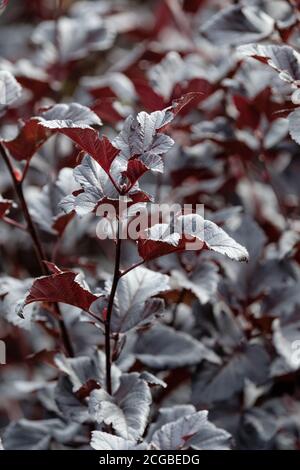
(66, 287)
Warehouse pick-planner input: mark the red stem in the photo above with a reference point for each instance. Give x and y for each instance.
(131, 267)
(107, 323)
(14, 223)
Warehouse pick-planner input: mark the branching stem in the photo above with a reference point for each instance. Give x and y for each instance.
(123, 273)
(37, 245)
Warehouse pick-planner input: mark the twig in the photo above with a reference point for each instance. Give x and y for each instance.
(38, 247)
(26, 168)
(107, 322)
(123, 273)
(14, 223)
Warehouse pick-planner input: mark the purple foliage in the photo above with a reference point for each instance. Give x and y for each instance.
(188, 335)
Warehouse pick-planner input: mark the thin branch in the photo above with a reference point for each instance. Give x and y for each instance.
(14, 223)
(107, 322)
(114, 183)
(95, 316)
(123, 273)
(26, 168)
(37, 245)
(39, 250)
(143, 261)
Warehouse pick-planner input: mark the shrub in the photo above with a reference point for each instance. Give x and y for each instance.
(131, 319)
